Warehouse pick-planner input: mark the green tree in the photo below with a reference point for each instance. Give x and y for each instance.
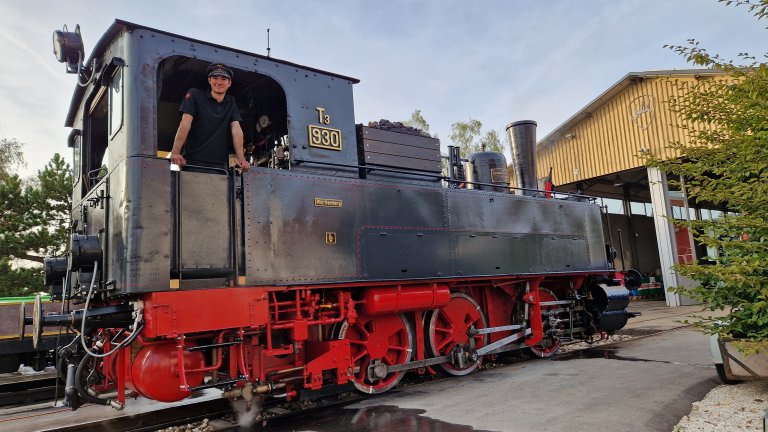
(726, 164)
(469, 137)
(19, 281)
(34, 223)
(11, 156)
(417, 121)
(52, 198)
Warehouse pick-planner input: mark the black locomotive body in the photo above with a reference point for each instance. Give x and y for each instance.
(342, 257)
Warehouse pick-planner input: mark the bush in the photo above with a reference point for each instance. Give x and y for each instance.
(726, 165)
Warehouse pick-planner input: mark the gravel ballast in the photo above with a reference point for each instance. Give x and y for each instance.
(728, 408)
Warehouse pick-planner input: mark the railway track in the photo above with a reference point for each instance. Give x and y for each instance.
(158, 419)
(19, 389)
(220, 413)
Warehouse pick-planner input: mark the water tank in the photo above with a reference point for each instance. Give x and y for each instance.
(489, 168)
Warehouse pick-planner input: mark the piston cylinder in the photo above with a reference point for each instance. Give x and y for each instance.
(398, 298)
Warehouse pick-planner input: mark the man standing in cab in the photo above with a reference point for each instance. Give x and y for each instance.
(210, 123)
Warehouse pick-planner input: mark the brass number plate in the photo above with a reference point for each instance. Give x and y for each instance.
(323, 137)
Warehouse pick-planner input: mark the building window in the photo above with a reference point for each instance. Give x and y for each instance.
(614, 206)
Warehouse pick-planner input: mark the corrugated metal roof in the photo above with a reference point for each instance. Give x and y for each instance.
(613, 132)
(615, 89)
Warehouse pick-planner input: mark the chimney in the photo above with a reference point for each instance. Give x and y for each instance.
(522, 139)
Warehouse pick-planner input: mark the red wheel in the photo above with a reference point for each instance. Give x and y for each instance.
(549, 344)
(373, 340)
(447, 327)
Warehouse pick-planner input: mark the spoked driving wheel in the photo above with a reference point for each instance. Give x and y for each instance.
(447, 329)
(381, 340)
(549, 344)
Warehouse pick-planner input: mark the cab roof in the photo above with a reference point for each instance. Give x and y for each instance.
(119, 25)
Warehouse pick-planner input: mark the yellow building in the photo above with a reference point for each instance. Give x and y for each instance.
(598, 152)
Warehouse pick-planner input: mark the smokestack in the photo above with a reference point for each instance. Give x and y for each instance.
(522, 139)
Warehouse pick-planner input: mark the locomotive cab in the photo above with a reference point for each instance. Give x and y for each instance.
(124, 116)
(202, 198)
(260, 99)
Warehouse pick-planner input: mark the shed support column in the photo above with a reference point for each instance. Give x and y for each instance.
(631, 233)
(665, 232)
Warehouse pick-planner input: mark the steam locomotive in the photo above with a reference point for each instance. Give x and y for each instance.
(344, 258)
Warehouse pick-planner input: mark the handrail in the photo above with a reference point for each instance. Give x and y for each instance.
(441, 177)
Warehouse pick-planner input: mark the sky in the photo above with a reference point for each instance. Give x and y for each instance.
(496, 61)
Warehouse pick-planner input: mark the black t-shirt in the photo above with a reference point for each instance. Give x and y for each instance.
(210, 138)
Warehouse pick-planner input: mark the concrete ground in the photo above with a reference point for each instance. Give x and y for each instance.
(644, 384)
(657, 316)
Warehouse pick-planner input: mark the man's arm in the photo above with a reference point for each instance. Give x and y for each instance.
(181, 138)
(237, 142)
